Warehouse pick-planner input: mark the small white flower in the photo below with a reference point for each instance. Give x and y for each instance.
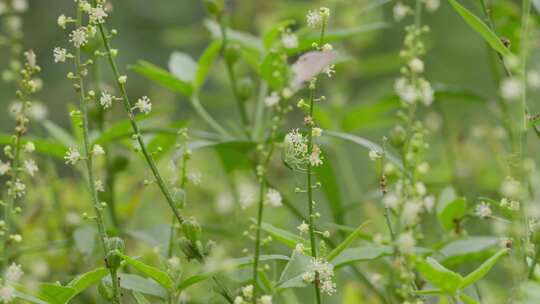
(416, 65)
(7, 294)
(238, 300)
(374, 155)
(195, 177)
(72, 156)
(406, 242)
(20, 6)
(273, 198)
(13, 273)
(483, 210)
(247, 292)
(327, 47)
(18, 189)
(62, 21)
(97, 14)
(17, 238)
(390, 200)
(144, 105)
(266, 299)
(316, 132)
(313, 18)
(315, 159)
(511, 88)
(38, 111)
(79, 37)
(4, 167)
(400, 11)
(289, 40)
(328, 287)
(308, 276)
(303, 228)
(98, 150)
(330, 70)
(410, 212)
(299, 248)
(533, 79)
(432, 5)
(427, 95)
(122, 79)
(272, 99)
(98, 184)
(30, 167)
(106, 100)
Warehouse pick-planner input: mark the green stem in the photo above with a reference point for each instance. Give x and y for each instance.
(201, 111)
(88, 159)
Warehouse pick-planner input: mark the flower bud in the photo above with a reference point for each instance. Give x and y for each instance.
(215, 7)
(192, 230)
(114, 244)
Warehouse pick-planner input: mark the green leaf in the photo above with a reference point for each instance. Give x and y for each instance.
(450, 209)
(59, 134)
(274, 70)
(245, 40)
(205, 63)
(156, 274)
(139, 284)
(165, 140)
(467, 249)
(467, 300)
(162, 77)
(481, 28)
(370, 115)
(291, 276)
(83, 281)
(483, 269)
(283, 236)
(140, 298)
(429, 292)
(119, 130)
(439, 276)
(363, 253)
(85, 239)
(234, 155)
(55, 294)
(21, 293)
(347, 242)
(43, 146)
(275, 31)
(182, 66)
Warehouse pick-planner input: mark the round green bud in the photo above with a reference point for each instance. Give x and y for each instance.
(192, 230)
(232, 53)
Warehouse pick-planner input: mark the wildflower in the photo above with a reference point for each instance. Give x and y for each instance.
(303, 228)
(98, 185)
(30, 58)
(327, 47)
(316, 132)
(416, 65)
(4, 167)
(427, 95)
(247, 292)
(313, 18)
(330, 71)
(97, 14)
(72, 156)
(98, 150)
(18, 189)
(105, 100)
(20, 6)
(299, 248)
(325, 270)
(390, 201)
(405, 91)
(62, 21)
(432, 5)
(30, 167)
(273, 198)
(247, 195)
(13, 273)
(406, 242)
(7, 294)
(144, 105)
(29, 147)
(272, 99)
(122, 79)
(266, 299)
(328, 287)
(482, 210)
(79, 37)
(195, 177)
(510, 187)
(17, 238)
(238, 300)
(374, 155)
(400, 11)
(511, 88)
(289, 40)
(315, 158)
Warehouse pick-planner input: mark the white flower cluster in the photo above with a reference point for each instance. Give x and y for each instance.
(246, 297)
(400, 10)
(12, 275)
(325, 272)
(315, 18)
(296, 150)
(483, 210)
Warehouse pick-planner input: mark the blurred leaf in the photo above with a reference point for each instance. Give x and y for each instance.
(467, 250)
(140, 298)
(274, 70)
(536, 4)
(283, 236)
(155, 236)
(439, 276)
(85, 239)
(28, 298)
(450, 209)
(483, 269)
(162, 77)
(367, 252)
(139, 284)
(43, 146)
(467, 300)
(363, 143)
(370, 115)
(119, 130)
(275, 31)
(347, 242)
(291, 276)
(165, 141)
(234, 155)
(182, 66)
(245, 40)
(59, 134)
(326, 175)
(205, 63)
(156, 274)
(481, 28)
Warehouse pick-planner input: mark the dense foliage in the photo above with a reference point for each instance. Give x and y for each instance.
(338, 151)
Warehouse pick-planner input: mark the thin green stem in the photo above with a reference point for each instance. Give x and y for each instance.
(201, 111)
(88, 159)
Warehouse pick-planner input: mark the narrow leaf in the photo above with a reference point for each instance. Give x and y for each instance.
(347, 242)
(156, 274)
(483, 269)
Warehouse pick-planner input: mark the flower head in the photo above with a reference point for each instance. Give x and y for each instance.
(482, 210)
(72, 156)
(144, 105)
(13, 273)
(314, 18)
(79, 37)
(273, 198)
(30, 167)
(7, 293)
(97, 14)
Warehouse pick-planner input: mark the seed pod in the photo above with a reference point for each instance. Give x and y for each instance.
(192, 230)
(114, 245)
